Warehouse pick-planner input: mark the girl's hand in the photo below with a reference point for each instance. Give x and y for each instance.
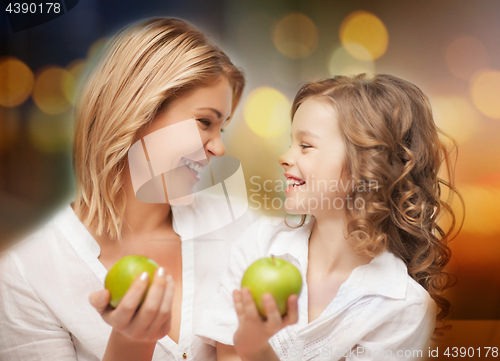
(151, 321)
(251, 340)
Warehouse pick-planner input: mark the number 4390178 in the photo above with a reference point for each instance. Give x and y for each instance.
(471, 352)
(33, 8)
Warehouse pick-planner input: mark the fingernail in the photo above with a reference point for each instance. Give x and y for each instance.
(170, 278)
(161, 272)
(144, 276)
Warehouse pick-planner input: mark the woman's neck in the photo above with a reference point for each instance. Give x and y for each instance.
(144, 219)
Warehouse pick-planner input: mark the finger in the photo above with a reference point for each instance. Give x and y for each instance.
(274, 321)
(124, 312)
(151, 305)
(163, 319)
(292, 315)
(249, 304)
(100, 300)
(238, 305)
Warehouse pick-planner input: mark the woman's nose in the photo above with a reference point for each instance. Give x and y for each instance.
(215, 147)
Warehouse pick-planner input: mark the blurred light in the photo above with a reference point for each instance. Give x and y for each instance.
(76, 70)
(489, 179)
(267, 112)
(49, 93)
(253, 35)
(465, 56)
(485, 92)
(16, 82)
(9, 129)
(96, 48)
(481, 206)
(342, 63)
(50, 133)
(456, 116)
(362, 29)
(295, 36)
(284, 71)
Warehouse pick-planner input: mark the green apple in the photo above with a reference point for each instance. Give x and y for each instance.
(275, 276)
(124, 272)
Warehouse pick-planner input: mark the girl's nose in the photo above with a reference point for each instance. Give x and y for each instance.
(285, 160)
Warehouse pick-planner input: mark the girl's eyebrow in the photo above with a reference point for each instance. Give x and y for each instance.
(308, 133)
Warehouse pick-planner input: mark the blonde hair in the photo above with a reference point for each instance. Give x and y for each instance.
(146, 65)
(392, 142)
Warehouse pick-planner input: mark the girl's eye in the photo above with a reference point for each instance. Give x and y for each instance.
(305, 146)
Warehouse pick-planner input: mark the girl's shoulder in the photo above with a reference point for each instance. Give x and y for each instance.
(273, 236)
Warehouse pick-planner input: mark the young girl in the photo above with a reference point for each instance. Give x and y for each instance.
(363, 165)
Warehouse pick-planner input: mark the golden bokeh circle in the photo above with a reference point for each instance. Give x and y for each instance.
(16, 82)
(77, 70)
(341, 62)
(362, 29)
(267, 112)
(465, 56)
(49, 94)
(485, 92)
(50, 133)
(457, 117)
(295, 36)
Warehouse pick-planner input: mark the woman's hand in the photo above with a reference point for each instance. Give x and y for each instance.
(251, 340)
(151, 321)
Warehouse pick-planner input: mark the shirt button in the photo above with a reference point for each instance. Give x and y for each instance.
(184, 355)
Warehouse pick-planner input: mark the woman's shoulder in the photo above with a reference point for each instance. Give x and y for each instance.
(41, 244)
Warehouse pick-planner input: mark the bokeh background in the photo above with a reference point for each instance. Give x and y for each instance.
(449, 48)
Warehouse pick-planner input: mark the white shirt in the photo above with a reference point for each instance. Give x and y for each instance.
(46, 280)
(379, 307)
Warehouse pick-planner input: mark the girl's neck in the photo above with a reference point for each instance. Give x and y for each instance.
(329, 248)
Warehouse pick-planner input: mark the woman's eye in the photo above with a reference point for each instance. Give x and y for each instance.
(304, 146)
(205, 122)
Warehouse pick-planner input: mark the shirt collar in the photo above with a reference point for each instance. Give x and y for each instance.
(385, 275)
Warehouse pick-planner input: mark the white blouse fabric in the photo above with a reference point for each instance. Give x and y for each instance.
(379, 312)
(46, 280)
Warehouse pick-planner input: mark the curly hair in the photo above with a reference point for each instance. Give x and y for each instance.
(392, 142)
(144, 67)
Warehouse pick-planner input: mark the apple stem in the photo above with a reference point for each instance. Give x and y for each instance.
(272, 256)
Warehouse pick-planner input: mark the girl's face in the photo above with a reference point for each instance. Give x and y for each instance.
(314, 162)
(184, 150)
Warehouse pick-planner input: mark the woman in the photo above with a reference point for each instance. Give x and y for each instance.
(156, 75)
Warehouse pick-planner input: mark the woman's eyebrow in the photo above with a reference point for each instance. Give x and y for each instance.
(219, 115)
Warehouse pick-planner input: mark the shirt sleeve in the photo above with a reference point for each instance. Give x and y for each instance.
(28, 330)
(403, 336)
(219, 321)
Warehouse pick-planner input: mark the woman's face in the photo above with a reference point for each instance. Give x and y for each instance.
(188, 135)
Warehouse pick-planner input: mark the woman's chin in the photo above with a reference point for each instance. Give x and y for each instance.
(182, 201)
